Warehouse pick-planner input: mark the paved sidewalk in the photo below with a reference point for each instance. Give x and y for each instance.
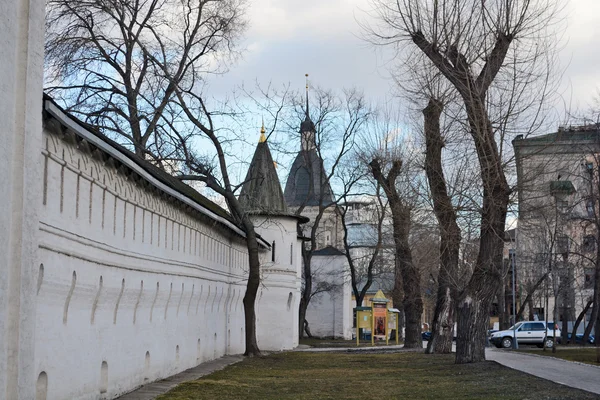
(575, 375)
(154, 389)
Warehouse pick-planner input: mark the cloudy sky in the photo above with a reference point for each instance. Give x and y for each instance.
(288, 38)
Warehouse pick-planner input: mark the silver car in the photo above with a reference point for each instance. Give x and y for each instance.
(527, 332)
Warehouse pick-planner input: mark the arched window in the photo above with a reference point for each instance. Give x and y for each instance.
(273, 252)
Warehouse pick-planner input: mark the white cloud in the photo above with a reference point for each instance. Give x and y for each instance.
(288, 38)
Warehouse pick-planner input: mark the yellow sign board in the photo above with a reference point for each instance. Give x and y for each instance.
(363, 319)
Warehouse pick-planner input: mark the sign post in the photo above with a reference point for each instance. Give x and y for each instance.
(364, 320)
(380, 325)
(393, 320)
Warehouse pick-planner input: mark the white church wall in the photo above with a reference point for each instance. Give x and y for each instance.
(278, 297)
(131, 286)
(329, 312)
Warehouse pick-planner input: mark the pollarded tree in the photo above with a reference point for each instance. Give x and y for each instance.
(468, 42)
(387, 168)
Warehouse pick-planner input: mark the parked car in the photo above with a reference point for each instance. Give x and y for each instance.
(579, 339)
(527, 332)
(490, 332)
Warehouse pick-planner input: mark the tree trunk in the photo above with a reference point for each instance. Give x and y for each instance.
(411, 278)
(306, 292)
(530, 307)
(251, 290)
(442, 330)
(596, 296)
(398, 296)
(597, 331)
(565, 319)
(475, 300)
(579, 319)
(504, 317)
(412, 302)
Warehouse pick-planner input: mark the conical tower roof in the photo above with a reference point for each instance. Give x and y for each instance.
(261, 192)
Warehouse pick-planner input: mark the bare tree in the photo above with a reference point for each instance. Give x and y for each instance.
(136, 69)
(327, 143)
(406, 270)
(364, 269)
(468, 42)
(443, 323)
(117, 64)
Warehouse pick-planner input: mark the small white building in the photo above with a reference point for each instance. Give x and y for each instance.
(329, 312)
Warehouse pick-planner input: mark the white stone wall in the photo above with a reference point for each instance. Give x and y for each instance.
(131, 287)
(279, 295)
(21, 72)
(329, 312)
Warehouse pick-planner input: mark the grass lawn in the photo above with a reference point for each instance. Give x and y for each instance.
(296, 375)
(586, 355)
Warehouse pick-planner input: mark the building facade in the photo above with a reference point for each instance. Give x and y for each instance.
(557, 236)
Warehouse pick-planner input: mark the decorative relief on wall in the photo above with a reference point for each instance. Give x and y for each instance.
(154, 301)
(40, 278)
(120, 199)
(118, 301)
(168, 299)
(68, 299)
(180, 298)
(191, 297)
(95, 304)
(137, 302)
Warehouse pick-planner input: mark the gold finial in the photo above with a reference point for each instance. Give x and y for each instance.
(263, 138)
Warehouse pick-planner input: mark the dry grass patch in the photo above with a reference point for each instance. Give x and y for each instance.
(366, 376)
(587, 355)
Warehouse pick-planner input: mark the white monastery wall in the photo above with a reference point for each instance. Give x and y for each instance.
(132, 285)
(278, 297)
(329, 312)
(107, 282)
(21, 75)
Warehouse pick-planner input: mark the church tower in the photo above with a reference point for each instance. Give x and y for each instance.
(278, 298)
(307, 186)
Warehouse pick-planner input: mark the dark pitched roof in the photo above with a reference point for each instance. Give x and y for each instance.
(261, 193)
(328, 251)
(384, 282)
(307, 125)
(304, 184)
(122, 154)
(570, 134)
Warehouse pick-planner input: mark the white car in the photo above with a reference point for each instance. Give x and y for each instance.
(528, 332)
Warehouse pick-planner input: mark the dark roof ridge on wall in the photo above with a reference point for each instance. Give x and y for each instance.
(156, 177)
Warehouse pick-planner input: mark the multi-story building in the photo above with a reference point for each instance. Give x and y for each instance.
(557, 240)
